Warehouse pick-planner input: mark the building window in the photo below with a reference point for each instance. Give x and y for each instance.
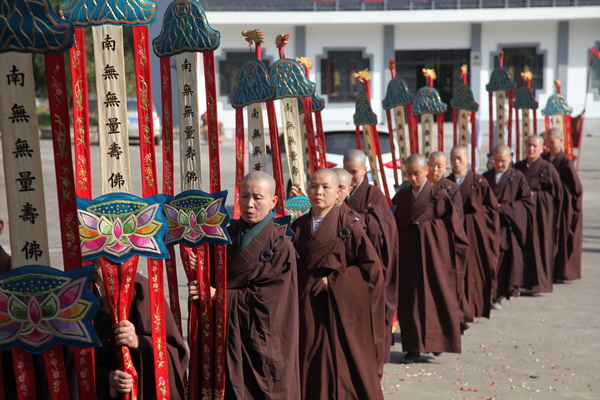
(229, 68)
(446, 63)
(520, 59)
(337, 81)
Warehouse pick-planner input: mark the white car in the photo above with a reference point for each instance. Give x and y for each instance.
(132, 122)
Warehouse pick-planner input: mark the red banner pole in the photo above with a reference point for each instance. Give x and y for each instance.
(150, 188)
(473, 141)
(454, 127)
(517, 136)
(358, 140)
(491, 121)
(440, 129)
(276, 158)
(511, 98)
(388, 115)
(240, 142)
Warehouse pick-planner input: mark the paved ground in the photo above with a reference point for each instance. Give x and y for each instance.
(545, 347)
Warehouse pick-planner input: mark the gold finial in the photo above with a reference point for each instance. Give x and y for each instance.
(430, 73)
(305, 62)
(527, 75)
(282, 39)
(253, 36)
(463, 69)
(363, 75)
(558, 83)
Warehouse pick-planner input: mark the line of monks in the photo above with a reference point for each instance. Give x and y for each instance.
(313, 318)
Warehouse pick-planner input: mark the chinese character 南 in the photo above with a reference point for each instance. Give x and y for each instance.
(186, 66)
(16, 77)
(108, 43)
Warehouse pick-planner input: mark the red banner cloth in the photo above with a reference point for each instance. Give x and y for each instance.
(388, 115)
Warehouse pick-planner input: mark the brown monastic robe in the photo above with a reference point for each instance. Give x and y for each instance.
(262, 317)
(514, 196)
(370, 202)
(455, 195)
(339, 327)
(570, 229)
(482, 226)
(143, 358)
(432, 249)
(546, 187)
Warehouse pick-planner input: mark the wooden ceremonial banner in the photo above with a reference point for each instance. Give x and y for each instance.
(501, 84)
(315, 161)
(463, 103)
(39, 30)
(427, 103)
(525, 102)
(365, 116)
(557, 114)
(251, 90)
(292, 86)
(185, 33)
(396, 99)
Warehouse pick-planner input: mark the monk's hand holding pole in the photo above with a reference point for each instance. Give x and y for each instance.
(194, 291)
(322, 285)
(120, 382)
(125, 335)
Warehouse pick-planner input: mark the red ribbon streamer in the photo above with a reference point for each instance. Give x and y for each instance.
(491, 121)
(511, 101)
(24, 374)
(321, 138)
(388, 115)
(454, 127)
(473, 141)
(535, 131)
(276, 158)
(547, 122)
(218, 250)
(415, 123)
(377, 148)
(568, 136)
(358, 141)
(150, 188)
(440, 128)
(310, 134)
(414, 148)
(239, 159)
(518, 135)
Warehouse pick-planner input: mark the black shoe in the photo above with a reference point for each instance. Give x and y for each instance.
(526, 293)
(437, 354)
(558, 280)
(411, 357)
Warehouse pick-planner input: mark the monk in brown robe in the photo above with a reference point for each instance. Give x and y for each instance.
(546, 187)
(135, 333)
(482, 226)
(370, 202)
(432, 249)
(341, 299)
(570, 228)
(262, 300)
(516, 210)
(437, 165)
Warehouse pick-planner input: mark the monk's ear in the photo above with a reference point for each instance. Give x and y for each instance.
(1, 226)
(273, 201)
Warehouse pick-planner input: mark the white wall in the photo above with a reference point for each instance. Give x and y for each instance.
(582, 36)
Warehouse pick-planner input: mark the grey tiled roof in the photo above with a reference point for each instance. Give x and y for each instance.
(357, 5)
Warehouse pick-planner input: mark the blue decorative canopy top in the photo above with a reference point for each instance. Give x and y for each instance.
(557, 105)
(364, 114)
(318, 104)
(253, 85)
(464, 100)
(185, 29)
(500, 80)
(525, 98)
(397, 94)
(116, 12)
(428, 101)
(290, 80)
(31, 26)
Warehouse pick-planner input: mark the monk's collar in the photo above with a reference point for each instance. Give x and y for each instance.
(248, 233)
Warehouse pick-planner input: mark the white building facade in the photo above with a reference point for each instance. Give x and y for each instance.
(552, 42)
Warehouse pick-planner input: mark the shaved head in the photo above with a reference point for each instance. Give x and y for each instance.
(416, 160)
(439, 156)
(355, 156)
(459, 149)
(503, 150)
(323, 191)
(459, 160)
(344, 176)
(333, 177)
(261, 176)
(555, 132)
(537, 138)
